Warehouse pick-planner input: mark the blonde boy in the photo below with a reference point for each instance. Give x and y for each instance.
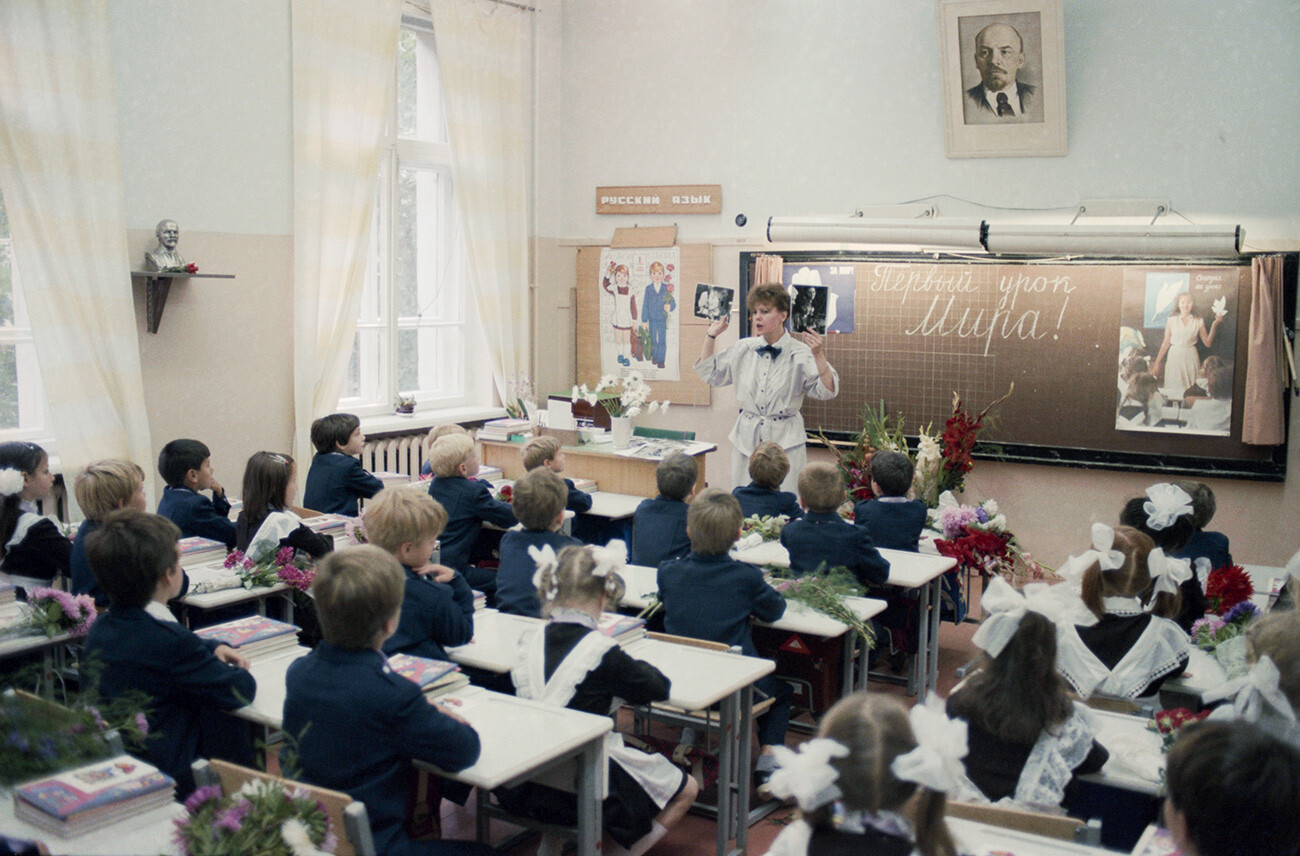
(102, 488)
(469, 503)
(768, 467)
(545, 451)
(821, 539)
(436, 432)
(438, 604)
(539, 505)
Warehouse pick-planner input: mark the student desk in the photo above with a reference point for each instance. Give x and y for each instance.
(1135, 757)
(613, 506)
(643, 585)
(975, 837)
(51, 648)
(906, 570)
(231, 596)
(700, 678)
(151, 832)
(600, 463)
(1203, 674)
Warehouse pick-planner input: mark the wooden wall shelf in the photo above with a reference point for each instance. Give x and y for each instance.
(156, 286)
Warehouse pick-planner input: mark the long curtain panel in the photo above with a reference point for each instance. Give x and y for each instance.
(1263, 422)
(344, 55)
(483, 55)
(61, 174)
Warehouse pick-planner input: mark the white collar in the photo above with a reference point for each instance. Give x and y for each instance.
(27, 505)
(1122, 606)
(1013, 97)
(892, 499)
(573, 616)
(160, 612)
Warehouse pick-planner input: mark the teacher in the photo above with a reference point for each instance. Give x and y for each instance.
(772, 372)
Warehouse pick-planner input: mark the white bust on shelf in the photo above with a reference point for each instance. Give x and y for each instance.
(164, 255)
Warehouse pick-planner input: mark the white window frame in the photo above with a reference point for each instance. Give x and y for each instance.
(33, 408)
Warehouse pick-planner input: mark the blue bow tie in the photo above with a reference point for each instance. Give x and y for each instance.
(770, 351)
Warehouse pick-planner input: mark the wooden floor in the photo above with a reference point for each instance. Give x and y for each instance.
(696, 835)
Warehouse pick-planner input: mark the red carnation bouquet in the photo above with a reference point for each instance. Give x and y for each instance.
(1170, 722)
(1226, 587)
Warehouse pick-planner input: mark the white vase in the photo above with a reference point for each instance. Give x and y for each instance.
(621, 429)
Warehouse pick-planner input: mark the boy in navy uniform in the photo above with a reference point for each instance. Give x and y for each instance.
(469, 504)
(545, 451)
(709, 595)
(358, 724)
(138, 647)
(659, 524)
(336, 479)
(438, 604)
(768, 467)
(894, 521)
(821, 539)
(186, 466)
(539, 504)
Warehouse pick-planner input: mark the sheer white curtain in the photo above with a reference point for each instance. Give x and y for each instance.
(61, 173)
(344, 55)
(483, 55)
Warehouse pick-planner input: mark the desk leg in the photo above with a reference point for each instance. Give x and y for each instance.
(733, 771)
(481, 798)
(921, 662)
(936, 604)
(852, 670)
(589, 802)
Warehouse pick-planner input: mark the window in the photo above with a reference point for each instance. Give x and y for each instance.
(417, 318)
(23, 411)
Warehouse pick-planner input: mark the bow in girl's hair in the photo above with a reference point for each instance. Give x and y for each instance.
(807, 774)
(1166, 503)
(1252, 691)
(1168, 572)
(936, 762)
(1006, 607)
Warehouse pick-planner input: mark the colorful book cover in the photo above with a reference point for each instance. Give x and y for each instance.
(195, 545)
(614, 625)
(94, 786)
(323, 523)
(246, 631)
(422, 670)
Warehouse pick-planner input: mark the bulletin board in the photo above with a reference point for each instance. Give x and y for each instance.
(697, 266)
(925, 328)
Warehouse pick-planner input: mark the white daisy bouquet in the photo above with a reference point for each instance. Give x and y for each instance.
(624, 395)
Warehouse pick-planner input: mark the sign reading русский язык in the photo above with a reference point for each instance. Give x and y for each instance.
(660, 199)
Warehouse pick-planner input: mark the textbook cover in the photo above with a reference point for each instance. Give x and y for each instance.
(197, 546)
(244, 632)
(326, 524)
(422, 670)
(87, 797)
(624, 628)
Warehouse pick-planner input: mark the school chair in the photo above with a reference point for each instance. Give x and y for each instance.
(662, 433)
(1056, 826)
(344, 812)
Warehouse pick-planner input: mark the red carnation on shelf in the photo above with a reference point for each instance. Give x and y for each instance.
(1226, 587)
(191, 268)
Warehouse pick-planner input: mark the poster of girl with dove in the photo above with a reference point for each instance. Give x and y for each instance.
(1176, 348)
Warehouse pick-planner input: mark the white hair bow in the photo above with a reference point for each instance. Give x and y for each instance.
(1167, 502)
(1103, 552)
(11, 481)
(609, 559)
(807, 774)
(1168, 572)
(546, 560)
(936, 762)
(1006, 608)
(1253, 690)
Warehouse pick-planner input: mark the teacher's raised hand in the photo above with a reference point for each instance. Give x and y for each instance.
(813, 341)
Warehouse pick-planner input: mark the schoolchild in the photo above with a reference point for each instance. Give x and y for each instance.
(822, 540)
(874, 781)
(539, 504)
(567, 662)
(358, 724)
(267, 521)
(1027, 738)
(1269, 693)
(426, 470)
(894, 521)
(186, 467)
(768, 467)
(102, 488)
(437, 604)
(1212, 546)
(1131, 588)
(545, 451)
(659, 524)
(709, 595)
(469, 504)
(34, 551)
(1166, 516)
(336, 480)
(138, 647)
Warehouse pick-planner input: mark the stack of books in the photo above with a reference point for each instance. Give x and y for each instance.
(196, 550)
(327, 524)
(85, 798)
(588, 485)
(489, 473)
(8, 593)
(504, 429)
(621, 628)
(480, 600)
(433, 676)
(255, 636)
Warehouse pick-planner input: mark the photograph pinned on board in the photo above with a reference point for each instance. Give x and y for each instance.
(840, 282)
(712, 302)
(808, 308)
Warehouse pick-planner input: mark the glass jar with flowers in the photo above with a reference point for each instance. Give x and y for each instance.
(623, 398)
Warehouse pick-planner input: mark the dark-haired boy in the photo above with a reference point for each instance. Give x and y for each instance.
(539, 504)
(360, 725)
(659, 524)
(186, 466)
(336, 480)
(138, 647)
(894, 521)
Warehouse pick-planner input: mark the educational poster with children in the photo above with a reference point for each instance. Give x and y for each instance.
(1178, 336)
(639, 312)
(821, 297)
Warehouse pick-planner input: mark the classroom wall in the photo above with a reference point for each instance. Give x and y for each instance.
(819, 107)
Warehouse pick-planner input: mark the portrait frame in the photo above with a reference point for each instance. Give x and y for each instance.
(971, 131)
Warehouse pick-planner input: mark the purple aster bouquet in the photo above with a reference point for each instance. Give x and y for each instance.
(285, 567)
(39, 737)
(53, 612)
(1212, 631)
(269, 818)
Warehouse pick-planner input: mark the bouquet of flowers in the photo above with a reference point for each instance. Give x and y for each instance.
(41, 737)
(523, 399)
(355, 529)
(506, 494)
(978, 538)
(1169, 722)
(263, 817)
(768, 527)
(633, 395)
(1226, 587)
(825, 593)
(879, 431)
(285, 568)
(52, 612)
(1210, 632)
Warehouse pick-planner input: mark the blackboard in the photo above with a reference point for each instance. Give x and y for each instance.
(926, 327)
